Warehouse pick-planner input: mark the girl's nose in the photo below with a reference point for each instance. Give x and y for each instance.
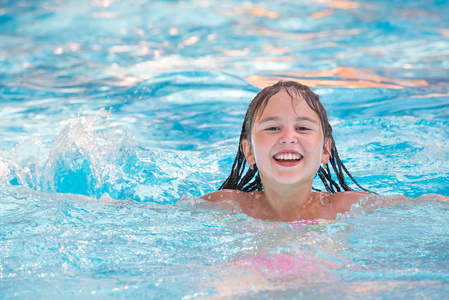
(288, 137)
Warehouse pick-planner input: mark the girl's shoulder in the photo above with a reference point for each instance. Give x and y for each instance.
(229, 200)
(223, 195)
(342, 201)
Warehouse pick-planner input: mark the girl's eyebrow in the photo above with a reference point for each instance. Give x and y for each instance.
(268, 119)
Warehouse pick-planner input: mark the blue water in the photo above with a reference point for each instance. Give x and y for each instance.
(116, 115)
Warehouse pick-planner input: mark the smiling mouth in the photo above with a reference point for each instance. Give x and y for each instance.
(288, 157)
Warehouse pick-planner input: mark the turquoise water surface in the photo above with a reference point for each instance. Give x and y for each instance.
(117, 115)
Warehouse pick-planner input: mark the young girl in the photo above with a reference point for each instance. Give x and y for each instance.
(286, 140)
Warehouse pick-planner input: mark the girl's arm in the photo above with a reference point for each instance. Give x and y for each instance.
(432, 196)
(345, 200)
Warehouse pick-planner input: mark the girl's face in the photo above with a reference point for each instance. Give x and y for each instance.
(286, 142)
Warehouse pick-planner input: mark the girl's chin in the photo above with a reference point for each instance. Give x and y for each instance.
(289, 180)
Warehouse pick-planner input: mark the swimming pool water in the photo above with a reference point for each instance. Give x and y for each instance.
(115, 116)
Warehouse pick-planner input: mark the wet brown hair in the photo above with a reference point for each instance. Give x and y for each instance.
(248, 180)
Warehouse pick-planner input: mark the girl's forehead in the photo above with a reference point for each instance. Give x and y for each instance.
(282, 101)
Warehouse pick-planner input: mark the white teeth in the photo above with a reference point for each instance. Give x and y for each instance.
(287, 156)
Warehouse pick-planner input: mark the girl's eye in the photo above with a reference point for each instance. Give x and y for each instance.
(302, 129)
(273, 128)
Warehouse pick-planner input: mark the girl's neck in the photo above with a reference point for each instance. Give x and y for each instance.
(288, 203)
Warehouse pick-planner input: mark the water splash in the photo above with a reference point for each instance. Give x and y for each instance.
(90, 159)
(22, 165)
(94, 157)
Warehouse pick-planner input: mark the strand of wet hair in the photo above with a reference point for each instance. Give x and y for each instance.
(342, 166)
(237, 168)
(339, 167)
(340, 177)
(322, 175)
(326, 175)
(245, 180)
(232, 180)
(237, 182)
(256, 185)
(328, 182)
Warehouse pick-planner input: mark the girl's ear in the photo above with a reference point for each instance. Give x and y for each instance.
(248, 151)
(326, 151)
